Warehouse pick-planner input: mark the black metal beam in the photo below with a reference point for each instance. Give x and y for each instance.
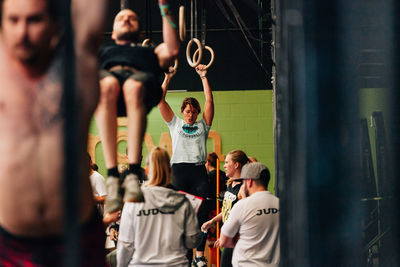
(71, 142)
(320, 46)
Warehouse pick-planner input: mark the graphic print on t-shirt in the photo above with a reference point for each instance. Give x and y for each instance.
(229, 198)
(190, 131)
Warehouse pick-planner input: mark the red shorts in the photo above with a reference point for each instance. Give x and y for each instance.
(49, 251)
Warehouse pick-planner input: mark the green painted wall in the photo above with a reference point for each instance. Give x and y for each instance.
(244, 120)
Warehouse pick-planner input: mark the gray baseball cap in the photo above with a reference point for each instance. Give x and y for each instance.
(251, 170)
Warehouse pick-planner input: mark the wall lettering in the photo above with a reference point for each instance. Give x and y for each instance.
(164, 142)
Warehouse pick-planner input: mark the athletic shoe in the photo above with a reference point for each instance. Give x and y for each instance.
(199, 262)
(133, 192)
(113, 200)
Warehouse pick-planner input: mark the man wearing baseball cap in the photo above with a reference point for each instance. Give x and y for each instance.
(253, 224)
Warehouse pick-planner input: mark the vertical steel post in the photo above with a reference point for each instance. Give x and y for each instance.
(71, 142)
(317, 133)
(396, 127)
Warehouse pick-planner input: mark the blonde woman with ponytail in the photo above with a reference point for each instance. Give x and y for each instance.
(162, 229)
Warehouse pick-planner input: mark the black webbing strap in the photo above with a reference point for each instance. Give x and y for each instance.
(124, 4)
(195, 20)
(203, 31)
(191, 20)
(149, 33)
(224, 12)
(244, 29)
(71, 142)
(260, 28)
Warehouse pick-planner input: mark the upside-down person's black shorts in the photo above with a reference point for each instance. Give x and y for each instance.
(152, 85)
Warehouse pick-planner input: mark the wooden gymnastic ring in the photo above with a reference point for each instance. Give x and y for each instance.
(211, 54)
(147, 42)
(199, 49)
(182, 24)
(175, 67)
(175, 64)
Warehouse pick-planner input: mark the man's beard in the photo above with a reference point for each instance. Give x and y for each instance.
(27, 57)
(129, 36)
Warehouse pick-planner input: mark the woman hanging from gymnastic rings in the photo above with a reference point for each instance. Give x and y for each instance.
(189, 137)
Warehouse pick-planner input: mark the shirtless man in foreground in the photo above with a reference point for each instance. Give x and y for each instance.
(31, 132)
